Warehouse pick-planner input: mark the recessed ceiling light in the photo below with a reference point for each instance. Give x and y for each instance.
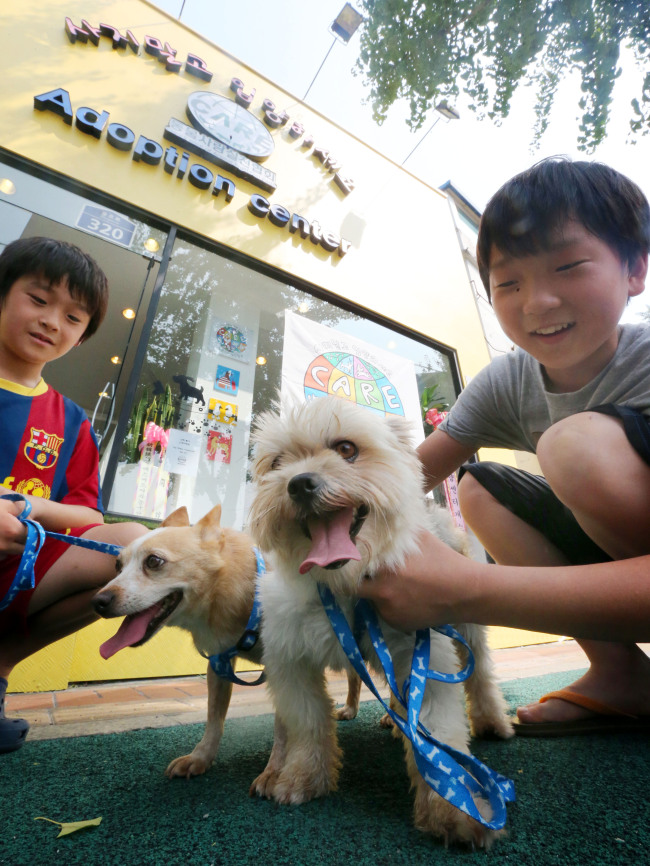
(261, 360)
(152, 245)
(7, 186)
(128, 313)
(116, 359)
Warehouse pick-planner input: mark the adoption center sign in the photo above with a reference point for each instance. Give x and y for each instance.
(222, 130)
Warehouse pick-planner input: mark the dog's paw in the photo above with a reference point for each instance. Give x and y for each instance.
(346, 713)
(386, 721)
(488, 727)
(187, 766)
(434, 815)
(301, 787)
(264, 785)
(296, 783)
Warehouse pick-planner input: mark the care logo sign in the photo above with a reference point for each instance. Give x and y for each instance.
(230, 123)
(318, 361)
(350, 377)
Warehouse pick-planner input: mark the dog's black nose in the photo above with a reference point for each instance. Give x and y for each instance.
(102, 602)
(302, 488)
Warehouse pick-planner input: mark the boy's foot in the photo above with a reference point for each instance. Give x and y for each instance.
(591, 703)
(12, 731)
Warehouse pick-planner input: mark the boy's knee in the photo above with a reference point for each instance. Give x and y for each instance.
(121, 534)
(472, 496)
(576, 445)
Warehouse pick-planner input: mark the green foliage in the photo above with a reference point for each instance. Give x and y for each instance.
(159, 409)
(429, 50)
(430, 399)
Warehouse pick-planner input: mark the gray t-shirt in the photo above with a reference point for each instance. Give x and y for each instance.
(507, 405)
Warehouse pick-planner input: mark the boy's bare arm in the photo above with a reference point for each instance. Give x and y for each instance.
(441, 455)
(606, 601)
(54, 516)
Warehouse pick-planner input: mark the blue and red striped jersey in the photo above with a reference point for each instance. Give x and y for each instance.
(47, 446)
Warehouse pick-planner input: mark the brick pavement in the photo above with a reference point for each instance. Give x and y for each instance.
(131, 705)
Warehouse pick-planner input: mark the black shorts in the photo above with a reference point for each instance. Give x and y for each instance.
(530, 498)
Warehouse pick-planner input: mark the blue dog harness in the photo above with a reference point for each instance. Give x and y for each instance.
(36, 535)
(454, 775)
(221, 663)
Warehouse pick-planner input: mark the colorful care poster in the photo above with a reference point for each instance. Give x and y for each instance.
(222, 412)
(318, 360)
(227, 381)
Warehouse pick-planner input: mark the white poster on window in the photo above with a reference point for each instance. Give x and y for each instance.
(182, 455)
(318, 360)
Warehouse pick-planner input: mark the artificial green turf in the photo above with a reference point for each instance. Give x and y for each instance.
(580, 800)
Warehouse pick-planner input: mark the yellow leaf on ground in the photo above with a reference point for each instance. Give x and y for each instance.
(72, 826)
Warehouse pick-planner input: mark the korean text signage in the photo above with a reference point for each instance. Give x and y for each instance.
(222, 130)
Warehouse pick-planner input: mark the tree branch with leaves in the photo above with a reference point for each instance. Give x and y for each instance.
(427, 52)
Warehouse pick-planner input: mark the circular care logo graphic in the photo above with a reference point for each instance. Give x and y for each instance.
(229, 123)
(349, 377)
(230, 339)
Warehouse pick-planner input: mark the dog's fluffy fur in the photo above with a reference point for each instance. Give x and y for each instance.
(326, 462)
(200, 578)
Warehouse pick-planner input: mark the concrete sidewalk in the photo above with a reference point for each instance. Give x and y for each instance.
(131, 705)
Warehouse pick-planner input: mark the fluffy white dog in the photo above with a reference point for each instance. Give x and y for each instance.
(339, 494)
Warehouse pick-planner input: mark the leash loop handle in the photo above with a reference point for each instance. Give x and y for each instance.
(25, 577)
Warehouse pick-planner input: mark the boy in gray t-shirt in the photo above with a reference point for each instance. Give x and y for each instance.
(561, 249)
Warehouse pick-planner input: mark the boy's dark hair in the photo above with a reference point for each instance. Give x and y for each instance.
(55, 260)
(520, 219)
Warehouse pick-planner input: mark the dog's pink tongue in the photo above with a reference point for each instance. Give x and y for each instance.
(132, 630)
(331, 540)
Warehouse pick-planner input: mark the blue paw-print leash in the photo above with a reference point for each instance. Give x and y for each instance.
(36, 535)
(454, 775)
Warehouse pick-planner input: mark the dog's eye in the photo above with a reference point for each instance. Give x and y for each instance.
(276, 463)
(153, 561)
(347, 450)
(118, 566)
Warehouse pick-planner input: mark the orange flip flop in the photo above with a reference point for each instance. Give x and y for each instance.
(606, 719)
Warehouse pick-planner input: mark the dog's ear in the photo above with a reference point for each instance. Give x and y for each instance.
(211, 522)
(401, 429)
(180, 517)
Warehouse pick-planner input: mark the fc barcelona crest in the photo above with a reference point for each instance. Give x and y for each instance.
(43, 448)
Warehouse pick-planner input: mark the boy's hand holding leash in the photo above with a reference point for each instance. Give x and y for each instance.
(428, 590)
(12, 531)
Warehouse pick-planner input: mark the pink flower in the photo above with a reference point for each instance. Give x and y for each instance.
(153, 434)
(434, 418)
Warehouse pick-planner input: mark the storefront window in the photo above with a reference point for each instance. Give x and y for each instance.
(93, 374)
(227, 341)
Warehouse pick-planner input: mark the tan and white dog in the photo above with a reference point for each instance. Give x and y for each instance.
(200, 578)
(339, 494)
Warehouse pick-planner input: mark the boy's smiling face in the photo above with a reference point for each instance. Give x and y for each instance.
(563, 305)
(39, 322)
